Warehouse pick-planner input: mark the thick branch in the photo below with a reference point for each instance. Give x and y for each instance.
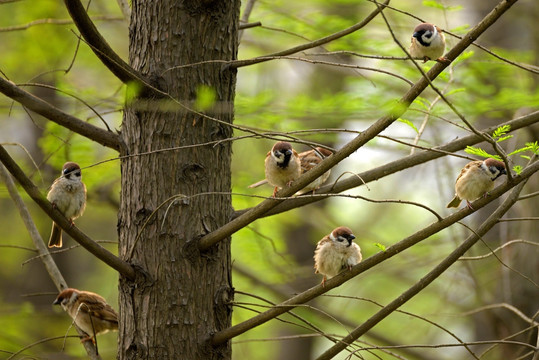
(101, 136)
(243, 220)
(45, 256)
(225, 335)
(395, 166)
(427, 279)
(101, 253)
(99, 45)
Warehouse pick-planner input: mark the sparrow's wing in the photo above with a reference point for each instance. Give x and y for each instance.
(97, 307)
(308, 160)
(468, 167)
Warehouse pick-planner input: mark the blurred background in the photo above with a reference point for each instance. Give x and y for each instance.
(273, 256)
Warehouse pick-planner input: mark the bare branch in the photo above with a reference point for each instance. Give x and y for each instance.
(99, 45)
(225, 335)
(427, 279)
(101, 253)
(396, 166)
(46, 258)
(101, 136)
(50, 21)
(312, 44)
(381, 124)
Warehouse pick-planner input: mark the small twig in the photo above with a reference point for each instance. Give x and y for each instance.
(480, 257)
(520, 219)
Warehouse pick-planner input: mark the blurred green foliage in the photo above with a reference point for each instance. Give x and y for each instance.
(277, 96)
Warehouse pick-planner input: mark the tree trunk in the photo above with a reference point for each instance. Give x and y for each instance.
(180, 296)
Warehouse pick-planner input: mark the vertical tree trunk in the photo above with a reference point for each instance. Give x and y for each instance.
(181, 296)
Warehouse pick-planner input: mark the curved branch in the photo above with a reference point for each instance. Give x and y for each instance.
(381, 124)
(395, 166)
(100, 252)
(99, 45)
(227, 334)
(43, 108)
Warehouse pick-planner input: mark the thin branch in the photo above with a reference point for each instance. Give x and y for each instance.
(520, 219)
(395, 166)
(100, 252)
(245, 17)
(51, 21)
(465, 258)
(312, 44)
(509, 307)
(528, 196)
(92, 132)
(46, 258)
(99, 45)
(427, 279)
(225, 335)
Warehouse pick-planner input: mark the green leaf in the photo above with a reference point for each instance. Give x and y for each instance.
(433, 4)
(528, 147)
(504, 138)
(480, 152)
(454, 91)
(534, 146)
(380, 246)
(502, 130)
(517, 169)
(409, 123)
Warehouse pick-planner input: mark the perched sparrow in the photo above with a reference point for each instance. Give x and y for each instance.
(67, 194)
(308, 160)
(282, 165)
(90, 311)
(336, 252)
(428, 43)
(476, 179)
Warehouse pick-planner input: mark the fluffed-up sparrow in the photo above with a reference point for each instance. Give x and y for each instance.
(336, 252)
(428, 43)
(476, 179)
(308, 159)
(68, 195)
(89, 310)
(282, 165)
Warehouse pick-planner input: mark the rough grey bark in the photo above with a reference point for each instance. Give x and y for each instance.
(181, 296)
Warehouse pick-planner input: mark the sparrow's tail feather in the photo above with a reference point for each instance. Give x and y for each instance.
(257, 184)
(455, 202)
(56, 236)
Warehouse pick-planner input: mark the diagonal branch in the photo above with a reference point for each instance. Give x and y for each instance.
(381, 124)
(46, 258)
(395, 166)
(100, 252)
(43, 108)
(225, 335)
(312, 44)
(99, 45)
(427, 279)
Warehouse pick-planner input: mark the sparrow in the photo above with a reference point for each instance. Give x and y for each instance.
(336, 252)
(476, 179)
(89, 310)
(308, 159)
(67, 194)
(282, 165)
(428, 43)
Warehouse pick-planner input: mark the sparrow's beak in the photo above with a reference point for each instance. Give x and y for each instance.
(416, 35)
(56, 302)
(288, 152)
(350, 238)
